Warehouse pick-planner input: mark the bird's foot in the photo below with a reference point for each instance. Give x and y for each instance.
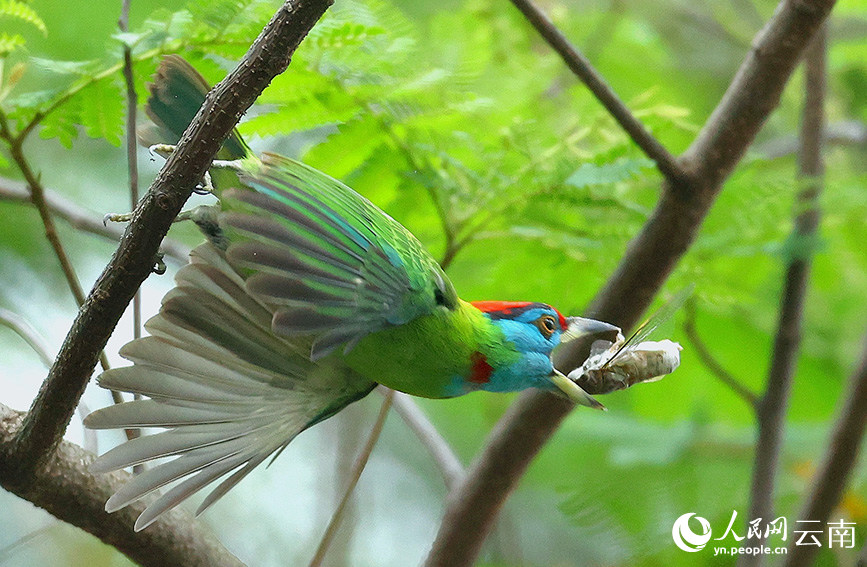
(203, 214)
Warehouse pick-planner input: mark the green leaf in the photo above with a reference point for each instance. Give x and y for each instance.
(22, 12)
(101, 110)
(61, 67)
(594, 174)
(10, 42)
(60, 125)
(217, 14)
(347, 149)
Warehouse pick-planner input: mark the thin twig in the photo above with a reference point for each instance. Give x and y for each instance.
(844, 133)
(579, 65)
(131, 154)
(442, 453)
(26, 331)
(8, 551)
(436, 200)
(37, 197)
(80, 218)
(772, 407)
(832, 477)
(132, 172)
(357, 469)
(710, 361)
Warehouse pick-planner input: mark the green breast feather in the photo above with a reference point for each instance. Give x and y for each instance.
(433, 355)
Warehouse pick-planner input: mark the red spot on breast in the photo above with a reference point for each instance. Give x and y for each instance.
(480, 370)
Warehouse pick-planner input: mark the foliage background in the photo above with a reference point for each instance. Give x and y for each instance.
(459, 122)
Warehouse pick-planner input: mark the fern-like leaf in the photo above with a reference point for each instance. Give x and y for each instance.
(22, 12)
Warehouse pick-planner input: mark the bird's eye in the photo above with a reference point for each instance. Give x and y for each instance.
(547, 325)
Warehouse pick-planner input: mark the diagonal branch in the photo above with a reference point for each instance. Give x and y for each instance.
(710, 362)
(43, 426)
(772, 406)
(752, 95)
(37, 197)
(354, 476)
(582, 67)
(447, 461)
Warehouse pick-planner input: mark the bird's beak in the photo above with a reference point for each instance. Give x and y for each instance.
(573, 391)
(578, 327)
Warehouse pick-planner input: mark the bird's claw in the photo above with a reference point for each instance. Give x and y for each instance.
(206, 187)
(159, 265)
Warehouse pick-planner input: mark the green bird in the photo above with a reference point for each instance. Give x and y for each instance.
(304, 297)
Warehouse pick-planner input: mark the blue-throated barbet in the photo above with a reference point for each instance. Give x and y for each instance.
(304, 297)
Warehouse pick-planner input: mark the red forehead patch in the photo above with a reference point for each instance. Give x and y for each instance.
(513, 309)
(563, 324)
(507, 307)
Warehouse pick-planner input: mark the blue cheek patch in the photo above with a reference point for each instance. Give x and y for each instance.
(527, 337)
(529, 371)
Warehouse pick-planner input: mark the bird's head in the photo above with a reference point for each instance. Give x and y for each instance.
(531, 332)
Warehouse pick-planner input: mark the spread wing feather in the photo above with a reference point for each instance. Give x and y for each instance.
(229, 391)
(324, 259)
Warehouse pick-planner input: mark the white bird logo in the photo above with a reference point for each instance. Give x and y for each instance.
(685, 538)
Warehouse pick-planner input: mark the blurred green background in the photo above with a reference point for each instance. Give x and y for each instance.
(457, 120)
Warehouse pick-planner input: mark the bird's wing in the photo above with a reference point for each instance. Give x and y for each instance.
(329, 263)
(229, 391)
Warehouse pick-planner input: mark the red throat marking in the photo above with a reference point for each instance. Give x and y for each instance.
(480, 370)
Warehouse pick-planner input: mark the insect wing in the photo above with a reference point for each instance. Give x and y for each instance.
(660, 316)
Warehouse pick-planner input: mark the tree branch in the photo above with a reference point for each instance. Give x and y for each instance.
(710, 362)
(772, 407)
(354, 476)
(80, 218)
(447, 461)
(582, 67)
(133, 261)
(37, 197)
(832, 477)
(65, 488)
(131, 143)
(752, 95)
(26, 331)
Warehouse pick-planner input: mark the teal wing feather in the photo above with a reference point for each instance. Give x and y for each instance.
(326, 260)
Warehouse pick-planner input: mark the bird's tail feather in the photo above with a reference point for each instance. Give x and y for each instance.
(176, 93)
(229, 391)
